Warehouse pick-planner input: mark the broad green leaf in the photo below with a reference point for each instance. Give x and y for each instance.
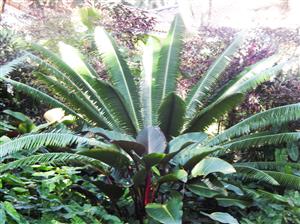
(212, 165)
(171, 115)
(221, 217)
(178, 175)
(203, 190)
(153, 139)
(12, 212)
(199, 154)
(153, 159)
(17, 115)
(169, 213)
(228, 202)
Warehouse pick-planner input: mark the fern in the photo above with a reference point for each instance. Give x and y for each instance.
(249, 173)
(258, 141)
(213, 112)
(203, 88)
(33, 141)
(285, 180)
(275, 166)
(9, 67)
(273, 117)
(54, 159)
(39, 95)
(120, 74)
(168, 64)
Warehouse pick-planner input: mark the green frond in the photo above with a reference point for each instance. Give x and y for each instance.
(203, 88)
(254, 71)
(54, 159)
(74, 59)
(76, 100)
(285, 180)
(164, 81)
(272, 117)
(275, 166)
(253, 79)
(171, 115)
(258, 141)
(115, 104)
(150, 61)
(9, 67)
(34, 141)
(250, 173)
(75, 82)
(120, 74)
(213, 112)
(40, 96)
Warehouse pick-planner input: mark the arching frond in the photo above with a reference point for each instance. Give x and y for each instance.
(33, 141)
(285, 180)
(150, 61)
(9, 67)
(54, 159)
(120, 74)
(252, 77)
(258, 141)
(273, 117)
(168, 64)
(39, 95)
(115, 104)
(203, 88)
(75, 82)
(213, 112)
(82, 104)
(274, 166)
(249, 173)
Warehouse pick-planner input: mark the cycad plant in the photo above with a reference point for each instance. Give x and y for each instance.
(151, 147)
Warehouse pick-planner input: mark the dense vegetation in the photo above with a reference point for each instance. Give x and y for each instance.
(127, 148)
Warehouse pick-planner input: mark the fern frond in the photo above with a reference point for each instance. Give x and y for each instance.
(275, 166)
(251, 79)
(150, 61)
(250, 173)
(71, 78)
(203, 88)
(168, 65)
(120, 74)
(9, 67)
(34, 141)
(213, 112)
(272, 117)
(40, 96)
(82, 104)
(258, 141)
(54, 159)
(285, 180)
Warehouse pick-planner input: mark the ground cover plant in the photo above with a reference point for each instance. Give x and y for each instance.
(152, 158)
